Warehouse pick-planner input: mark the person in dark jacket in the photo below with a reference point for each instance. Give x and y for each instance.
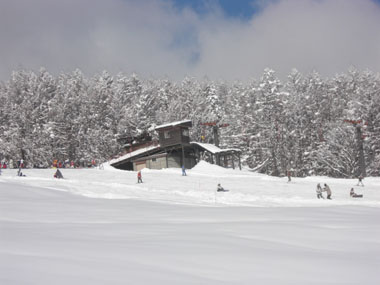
(360, 181)
(58, 174)
(221, 189)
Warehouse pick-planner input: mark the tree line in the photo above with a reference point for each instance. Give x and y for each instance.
(300, 124)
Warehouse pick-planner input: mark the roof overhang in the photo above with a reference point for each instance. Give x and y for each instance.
(185, 123)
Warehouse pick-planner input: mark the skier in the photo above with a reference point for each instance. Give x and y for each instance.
(354, 195)
(19, 173)
(319, 191)
(139, 179)
(328, 190)
(58, 174)
(289, 176)
(360, 180)
(183, 170)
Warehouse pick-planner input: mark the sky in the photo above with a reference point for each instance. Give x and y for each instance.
(218, 39)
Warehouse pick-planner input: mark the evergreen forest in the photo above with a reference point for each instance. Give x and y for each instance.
(306, 123)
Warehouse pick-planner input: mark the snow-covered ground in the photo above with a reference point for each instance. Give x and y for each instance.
(178, 230)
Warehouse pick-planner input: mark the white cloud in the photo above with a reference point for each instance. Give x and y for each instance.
(153, 38)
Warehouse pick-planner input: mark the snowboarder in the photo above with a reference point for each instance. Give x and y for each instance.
(319, 191)
(328, 190)
(58, 174)
(221, 189)
(354, 195)
(183, 170)
(360, 180)
(139, 179)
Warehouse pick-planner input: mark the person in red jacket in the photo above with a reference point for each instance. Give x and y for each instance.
(139, 179)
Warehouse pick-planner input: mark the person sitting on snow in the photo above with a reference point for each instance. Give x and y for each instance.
(58, 174)
(354, 195)
(220, 188)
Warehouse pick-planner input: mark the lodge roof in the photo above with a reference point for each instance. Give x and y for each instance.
(133, 154)
(214, 149)
(186, 123)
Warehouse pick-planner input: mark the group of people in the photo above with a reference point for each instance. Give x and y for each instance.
(10, 164)
(326, 189)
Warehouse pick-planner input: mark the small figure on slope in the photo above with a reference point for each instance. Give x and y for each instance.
(19, 173)
(354, 195)
(221, 189)
(183, 170)
(328, 190)
(289, 176)
(360, 180)
(58, 174)
(139, 179)
(319, 191)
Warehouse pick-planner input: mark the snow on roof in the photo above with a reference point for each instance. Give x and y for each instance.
(132, 154)
(213, 148)
(173, 124)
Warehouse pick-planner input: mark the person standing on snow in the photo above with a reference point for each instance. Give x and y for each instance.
(183, 170)
(319, 191)
(139, 179)
(328, 190)
(289, 174)
(360, 180)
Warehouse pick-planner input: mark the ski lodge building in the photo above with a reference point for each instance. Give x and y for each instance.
(173, 150)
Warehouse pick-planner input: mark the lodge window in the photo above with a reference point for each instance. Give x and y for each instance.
(166, 135)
